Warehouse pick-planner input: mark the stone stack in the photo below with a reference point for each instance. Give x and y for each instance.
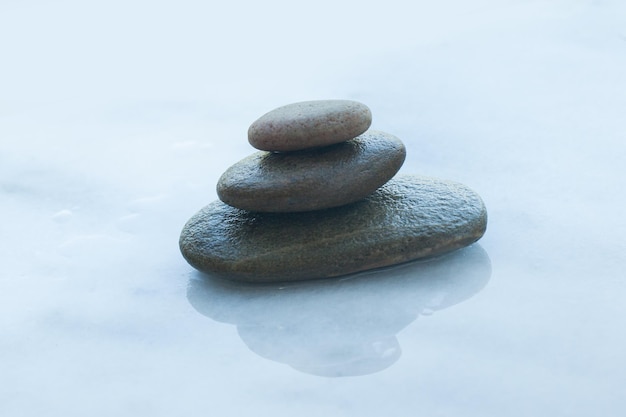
(319, 201)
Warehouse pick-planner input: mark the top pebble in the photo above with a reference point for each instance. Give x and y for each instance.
(309, 124)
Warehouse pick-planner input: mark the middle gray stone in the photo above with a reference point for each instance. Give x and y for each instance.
(313, 179)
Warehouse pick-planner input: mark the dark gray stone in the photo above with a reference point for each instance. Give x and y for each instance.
(314, 179)
(408, 218)
(309, 124)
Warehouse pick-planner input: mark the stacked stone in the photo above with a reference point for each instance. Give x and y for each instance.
(319, 201)
(316, 156)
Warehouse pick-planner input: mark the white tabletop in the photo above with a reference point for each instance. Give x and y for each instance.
(118, 117)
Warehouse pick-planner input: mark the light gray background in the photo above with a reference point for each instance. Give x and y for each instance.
(117, 118)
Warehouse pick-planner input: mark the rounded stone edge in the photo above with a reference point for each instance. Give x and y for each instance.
(262, 133)
(396, 144)
(219, 269)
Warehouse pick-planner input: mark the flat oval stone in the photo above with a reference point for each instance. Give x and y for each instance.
(314, 179)
(309, 124)
(408, 218)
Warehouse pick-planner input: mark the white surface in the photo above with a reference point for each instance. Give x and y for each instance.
(117, 118)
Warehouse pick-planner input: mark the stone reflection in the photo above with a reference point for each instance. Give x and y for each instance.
(345, 326)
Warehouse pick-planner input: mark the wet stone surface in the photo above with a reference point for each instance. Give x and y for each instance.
(408, 218)
(314, 179)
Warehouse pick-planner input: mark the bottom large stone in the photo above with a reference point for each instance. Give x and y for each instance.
(408, 218)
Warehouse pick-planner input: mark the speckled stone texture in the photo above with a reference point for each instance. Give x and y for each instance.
(314, 179)
(309, 124)
(408, 218)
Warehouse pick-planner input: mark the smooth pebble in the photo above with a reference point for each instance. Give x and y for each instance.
(309, 124)
(315, 179)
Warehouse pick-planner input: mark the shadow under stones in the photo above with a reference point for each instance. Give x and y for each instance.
(343, 326)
